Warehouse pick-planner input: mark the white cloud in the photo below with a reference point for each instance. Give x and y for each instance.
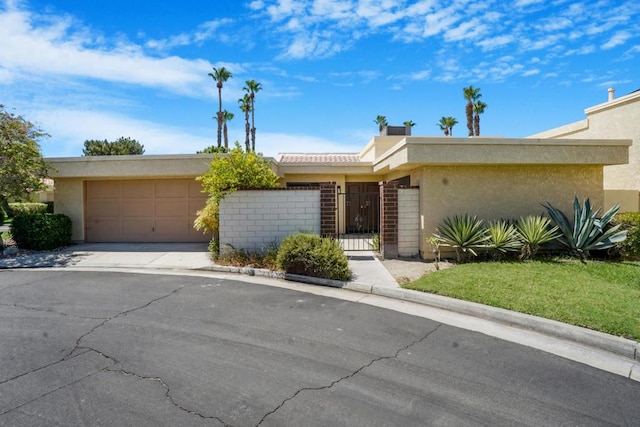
(496, 42)
(617, 39)
(59, 48)
(531, 72)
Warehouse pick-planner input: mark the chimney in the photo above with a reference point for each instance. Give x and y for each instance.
(612, 93)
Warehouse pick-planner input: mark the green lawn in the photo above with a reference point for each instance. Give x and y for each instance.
(604, 296)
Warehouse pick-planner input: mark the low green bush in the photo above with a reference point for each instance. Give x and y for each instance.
(27, 208)
(629, 221)
(311, 255)
(41, 231)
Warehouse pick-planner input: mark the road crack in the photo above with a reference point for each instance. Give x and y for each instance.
(167, 394)
(351, 375)
(122, 313)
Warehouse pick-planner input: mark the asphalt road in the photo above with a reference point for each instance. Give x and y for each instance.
(106, 348)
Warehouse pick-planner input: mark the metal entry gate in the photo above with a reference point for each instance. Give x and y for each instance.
(359, 217)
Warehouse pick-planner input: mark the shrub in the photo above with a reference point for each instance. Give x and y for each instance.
(41, 231)
(588, 231)
(260, 258)
(463, 233)
(534, 232)
(27, 208)
(629, 222)
(312, 255)
(503, 238)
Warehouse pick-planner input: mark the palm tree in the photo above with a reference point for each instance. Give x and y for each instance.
(252, 88)
(451, 122)
(381, 121)
(220, 75)
(226, 116)
(478, 108)
(409, 123)
(444, 126)
(471, 94)
(245, 107)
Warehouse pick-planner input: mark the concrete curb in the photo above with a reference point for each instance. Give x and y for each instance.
(599, 340)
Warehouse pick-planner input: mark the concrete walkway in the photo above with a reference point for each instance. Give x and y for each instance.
(372, 284)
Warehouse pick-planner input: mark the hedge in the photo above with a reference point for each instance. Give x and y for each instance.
(41, 231)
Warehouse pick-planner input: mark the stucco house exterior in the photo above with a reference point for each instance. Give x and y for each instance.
(154, 198)
(617, 118)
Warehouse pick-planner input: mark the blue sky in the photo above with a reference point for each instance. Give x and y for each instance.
(95, 70)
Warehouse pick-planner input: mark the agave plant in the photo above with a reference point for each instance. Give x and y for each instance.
(588, 232)
(535, 231)
(463, 233)
(503, 237)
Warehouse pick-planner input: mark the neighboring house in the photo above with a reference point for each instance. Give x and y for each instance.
(45, 195)
(155, 198)
(618, 118)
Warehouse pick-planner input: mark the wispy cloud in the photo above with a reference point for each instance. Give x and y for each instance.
(60, 46)
(617, 39)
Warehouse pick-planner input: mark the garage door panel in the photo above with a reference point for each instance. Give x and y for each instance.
(160, 210)
(103, 190)
(137, 189)
(172, 208)
(107, 208)
(172, 189)
(195, 190)
(137, 209)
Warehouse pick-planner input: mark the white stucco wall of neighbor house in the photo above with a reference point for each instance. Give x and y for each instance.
(618, 118)
(254, 219)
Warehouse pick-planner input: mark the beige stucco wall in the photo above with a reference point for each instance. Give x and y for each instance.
(616, 119)
(495, 192)
(69, 200)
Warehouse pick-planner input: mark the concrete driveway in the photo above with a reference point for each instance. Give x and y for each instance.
(108, 348)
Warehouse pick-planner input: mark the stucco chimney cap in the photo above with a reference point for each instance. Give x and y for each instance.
(612, 93)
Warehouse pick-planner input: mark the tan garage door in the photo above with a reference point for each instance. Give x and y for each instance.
(159, 210)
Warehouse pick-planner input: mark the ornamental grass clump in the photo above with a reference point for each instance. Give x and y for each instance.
(465, 234)
(534, 231)
(503, 238)
(588, 231)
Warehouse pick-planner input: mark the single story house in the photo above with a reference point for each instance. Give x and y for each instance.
(617, 118)
(154, 198)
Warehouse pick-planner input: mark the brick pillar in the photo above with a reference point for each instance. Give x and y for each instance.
(389, 220)
(328, 209)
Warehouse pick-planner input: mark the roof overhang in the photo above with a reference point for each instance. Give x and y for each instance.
(412, 152)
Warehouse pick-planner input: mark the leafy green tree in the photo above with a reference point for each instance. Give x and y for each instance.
(212, 149)
(381, 121)
(120, 147)
(409, 123)
(471, 95)
(220, 75)
(245, 107)
(478, 108)
(22, 167)
(228, 173)
(252, 88)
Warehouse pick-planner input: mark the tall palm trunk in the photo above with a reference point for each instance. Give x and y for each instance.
(253, 125)
(247, 129)
(476, 124)
(469, 111)
(226, 135)
(219, 84)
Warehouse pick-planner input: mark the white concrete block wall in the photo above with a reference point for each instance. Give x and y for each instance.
(408, 221)
(254, 219)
